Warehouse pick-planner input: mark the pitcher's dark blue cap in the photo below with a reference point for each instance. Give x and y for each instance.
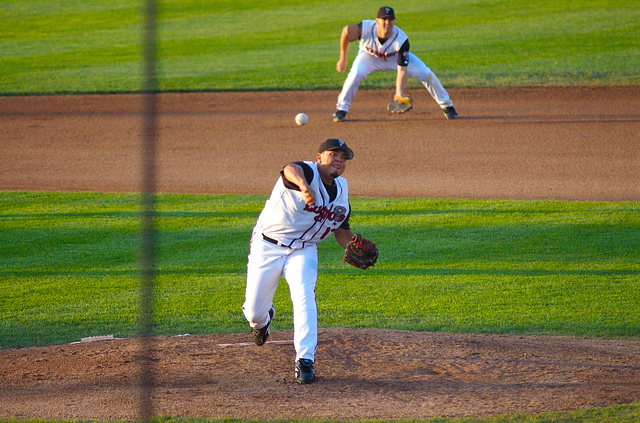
(336, 144)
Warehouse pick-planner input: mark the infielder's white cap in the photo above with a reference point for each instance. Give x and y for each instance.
(386, 12)
(336, 144)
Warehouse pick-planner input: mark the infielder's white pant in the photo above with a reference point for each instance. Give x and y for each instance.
(366, 63)
(267, 263)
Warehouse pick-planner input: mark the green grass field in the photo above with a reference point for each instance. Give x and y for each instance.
(60, 46)
(70, 267)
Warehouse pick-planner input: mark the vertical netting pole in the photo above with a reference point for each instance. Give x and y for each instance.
(148, 212)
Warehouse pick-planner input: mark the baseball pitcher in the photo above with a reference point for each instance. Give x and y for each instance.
(309, 202)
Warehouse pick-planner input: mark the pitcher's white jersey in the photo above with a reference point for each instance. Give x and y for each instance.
(370, 43)
(288, 219)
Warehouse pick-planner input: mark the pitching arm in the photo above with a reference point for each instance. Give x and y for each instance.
(295, 174)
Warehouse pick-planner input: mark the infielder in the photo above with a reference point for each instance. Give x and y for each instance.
(384, 46)
(309, 201)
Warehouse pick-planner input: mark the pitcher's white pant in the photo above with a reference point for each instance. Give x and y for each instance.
(366, 63)
(267, 263)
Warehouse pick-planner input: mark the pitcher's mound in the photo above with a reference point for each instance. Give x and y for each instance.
(362, 374)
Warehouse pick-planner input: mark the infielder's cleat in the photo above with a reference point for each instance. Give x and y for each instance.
(340, 116)
(304, 371)
(450, 112)
(260, 336)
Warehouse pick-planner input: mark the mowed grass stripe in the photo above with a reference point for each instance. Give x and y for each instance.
(97, 46)
(69, 266)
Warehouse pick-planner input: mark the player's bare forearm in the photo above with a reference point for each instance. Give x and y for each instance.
(341, 66)
(349, 34)
(295, 174)
(401, 80)
(343, 236)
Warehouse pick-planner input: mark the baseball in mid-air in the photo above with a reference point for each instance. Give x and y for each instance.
(302, 119)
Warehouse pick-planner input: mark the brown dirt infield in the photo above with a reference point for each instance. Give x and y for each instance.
(536, 143)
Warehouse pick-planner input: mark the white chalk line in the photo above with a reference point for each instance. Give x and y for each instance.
(239, 344)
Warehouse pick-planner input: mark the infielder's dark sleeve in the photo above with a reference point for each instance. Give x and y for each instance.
(403, 54)
(308, 174)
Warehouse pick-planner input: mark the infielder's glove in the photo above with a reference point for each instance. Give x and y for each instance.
(400, 104)
(361, 252)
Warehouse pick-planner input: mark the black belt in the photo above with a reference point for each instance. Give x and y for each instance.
(274, 241)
